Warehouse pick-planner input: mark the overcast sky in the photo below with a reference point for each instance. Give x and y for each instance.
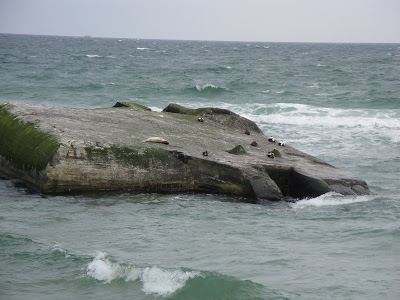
(233, 20)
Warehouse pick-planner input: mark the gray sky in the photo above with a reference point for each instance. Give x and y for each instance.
(233, 20)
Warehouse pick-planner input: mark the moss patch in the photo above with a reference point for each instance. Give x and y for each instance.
(23, 143)
(97, 153)
(131, 104)
(146, 158)
(238, 150)
(276, 153)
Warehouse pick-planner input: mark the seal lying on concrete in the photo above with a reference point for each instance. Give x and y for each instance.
(156, 140)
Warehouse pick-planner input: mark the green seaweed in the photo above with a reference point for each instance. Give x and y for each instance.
(23, 143)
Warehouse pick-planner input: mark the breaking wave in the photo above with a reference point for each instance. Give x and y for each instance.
(178, 283)
(154, 280)
(207, 89)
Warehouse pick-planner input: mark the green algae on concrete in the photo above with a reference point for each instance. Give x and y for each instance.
(238, 150)
(276, 153)
(144, 158)
(23, 143)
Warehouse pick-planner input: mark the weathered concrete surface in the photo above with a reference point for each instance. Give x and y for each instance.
(103, 149)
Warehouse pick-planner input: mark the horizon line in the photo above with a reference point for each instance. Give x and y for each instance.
(192, 40)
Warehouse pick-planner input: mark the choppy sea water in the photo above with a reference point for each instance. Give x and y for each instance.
(339, 102)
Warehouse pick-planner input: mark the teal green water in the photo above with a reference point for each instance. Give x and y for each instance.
(339, 102)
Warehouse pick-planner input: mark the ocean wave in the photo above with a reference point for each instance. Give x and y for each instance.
(213, 285)
(209, 89)
(382, 122)
(59, 248)
(177, 283)
(219, 69)
(330, 199)
(154, 280)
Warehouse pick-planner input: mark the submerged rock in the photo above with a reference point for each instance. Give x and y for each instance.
(62, 150)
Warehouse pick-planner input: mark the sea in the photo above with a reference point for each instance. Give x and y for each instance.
(338, 102)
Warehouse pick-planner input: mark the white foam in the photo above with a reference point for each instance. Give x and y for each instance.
(142, 48)
(154, 280)
(104, 270)
(157, 109)
(164, 282)
(330, 199)
(93, 55)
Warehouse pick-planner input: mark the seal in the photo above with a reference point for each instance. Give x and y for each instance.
(254, 144)
(281, 143)
(271, 139)
(205, 153)
(247, 132)
(200, 119)
(156, 140)
(271, 154)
